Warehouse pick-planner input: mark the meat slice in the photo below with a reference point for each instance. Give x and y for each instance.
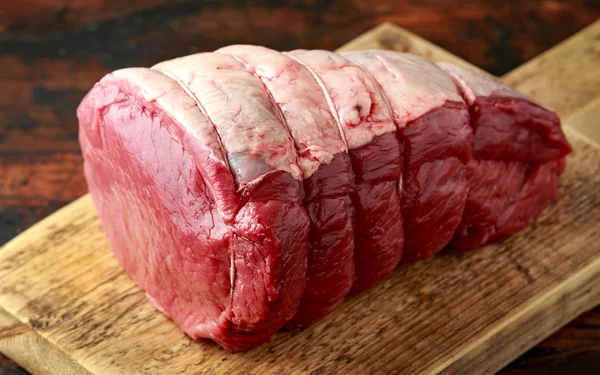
(327, 172)
(517, 156)
(433, 122)
(369, 131)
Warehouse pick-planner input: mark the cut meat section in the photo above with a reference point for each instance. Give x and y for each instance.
(150, 157)
(369, 131)
(224, 265)
(328, 178)
(518, 155)
(433, 122)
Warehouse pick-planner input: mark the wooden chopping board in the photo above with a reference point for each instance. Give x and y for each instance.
(66, 306)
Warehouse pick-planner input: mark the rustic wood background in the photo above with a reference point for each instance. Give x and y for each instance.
(52, 51)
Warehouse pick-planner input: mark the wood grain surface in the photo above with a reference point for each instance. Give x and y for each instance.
(457, 313)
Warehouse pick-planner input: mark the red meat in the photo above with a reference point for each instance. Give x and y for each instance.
(224, 265)
(433, 124)
(247, 190)
(328, 178)
(518, 154)
(366, 122)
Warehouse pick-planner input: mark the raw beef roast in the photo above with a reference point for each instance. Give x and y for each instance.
(246, 190)
(433, 124)
(517, 156)
(328, 179)
(366, 121)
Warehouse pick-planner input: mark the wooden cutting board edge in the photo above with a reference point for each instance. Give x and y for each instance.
(521, 331)
(32, 351)
(17, 337)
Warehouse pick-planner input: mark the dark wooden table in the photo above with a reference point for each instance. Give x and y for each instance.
(52, 52)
